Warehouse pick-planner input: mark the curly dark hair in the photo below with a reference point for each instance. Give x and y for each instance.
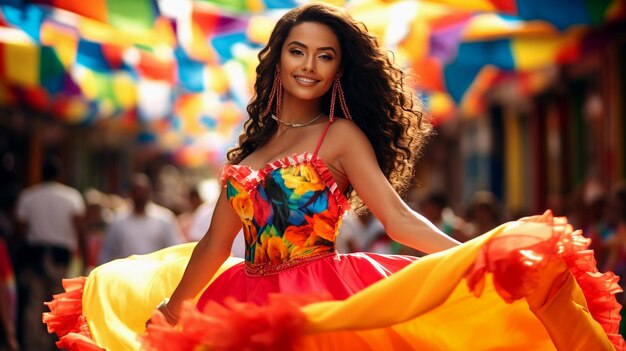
(378, 97)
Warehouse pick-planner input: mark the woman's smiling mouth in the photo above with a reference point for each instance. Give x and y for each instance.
(306, 80)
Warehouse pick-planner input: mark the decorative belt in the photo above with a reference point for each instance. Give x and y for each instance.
(265, 269)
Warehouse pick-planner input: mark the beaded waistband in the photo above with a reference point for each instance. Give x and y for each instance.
(265, 269)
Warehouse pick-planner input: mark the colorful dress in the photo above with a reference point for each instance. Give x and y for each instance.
(526, 285)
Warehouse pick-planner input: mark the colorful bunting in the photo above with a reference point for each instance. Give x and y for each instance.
(63, 39)
(157, 66)
(21, 64)
(134, 16)
(185, 69)
(91, 56)
(28, 18)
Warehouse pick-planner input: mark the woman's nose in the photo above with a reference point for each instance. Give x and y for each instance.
(309, 64)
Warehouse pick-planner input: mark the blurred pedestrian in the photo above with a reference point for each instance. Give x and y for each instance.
(95, 225)
(203, 215)
(185, 218)
(51, 215)
(146, 228)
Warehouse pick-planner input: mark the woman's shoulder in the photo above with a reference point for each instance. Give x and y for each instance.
(346, 132)
(344, 127)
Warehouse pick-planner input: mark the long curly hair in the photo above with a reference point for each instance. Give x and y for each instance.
(381, 103)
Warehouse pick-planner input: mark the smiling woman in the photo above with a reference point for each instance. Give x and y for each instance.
(309, 63)
(332, 124)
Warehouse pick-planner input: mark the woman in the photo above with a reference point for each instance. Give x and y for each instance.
(288, 183)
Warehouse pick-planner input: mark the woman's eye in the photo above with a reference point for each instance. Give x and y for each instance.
(326, 57)
(296, 52)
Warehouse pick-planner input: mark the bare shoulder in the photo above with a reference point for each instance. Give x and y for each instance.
(344, 141)
(346, 133)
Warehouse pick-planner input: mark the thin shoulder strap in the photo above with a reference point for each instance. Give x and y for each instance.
(319, 143)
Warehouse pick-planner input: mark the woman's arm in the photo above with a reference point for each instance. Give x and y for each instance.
(208, 255)
(401, 223)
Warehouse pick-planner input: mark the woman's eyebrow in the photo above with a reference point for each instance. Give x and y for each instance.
(297, 43)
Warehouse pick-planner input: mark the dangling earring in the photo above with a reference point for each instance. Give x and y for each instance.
(338, 90)
(276, 91)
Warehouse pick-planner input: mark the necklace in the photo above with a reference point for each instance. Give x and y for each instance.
(296, 125)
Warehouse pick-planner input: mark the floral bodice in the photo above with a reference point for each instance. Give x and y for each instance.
(290, 210)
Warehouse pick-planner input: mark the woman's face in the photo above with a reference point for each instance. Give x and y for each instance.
(309, 61)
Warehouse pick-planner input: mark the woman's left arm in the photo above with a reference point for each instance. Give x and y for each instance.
(401, 223)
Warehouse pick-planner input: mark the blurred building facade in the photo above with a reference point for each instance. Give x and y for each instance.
(547, 147)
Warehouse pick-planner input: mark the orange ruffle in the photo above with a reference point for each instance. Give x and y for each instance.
(234, 326)
(516, 262)
(66, 318)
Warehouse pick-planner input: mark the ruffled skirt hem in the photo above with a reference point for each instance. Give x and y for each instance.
(66, 318)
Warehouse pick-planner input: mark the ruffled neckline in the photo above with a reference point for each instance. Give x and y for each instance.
(250, 178)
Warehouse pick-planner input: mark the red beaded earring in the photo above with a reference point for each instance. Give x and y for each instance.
(338, 90)
(276, 91)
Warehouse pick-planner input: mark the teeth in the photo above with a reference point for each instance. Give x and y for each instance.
(305, 80)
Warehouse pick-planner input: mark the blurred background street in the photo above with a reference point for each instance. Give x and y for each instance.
(527, 96)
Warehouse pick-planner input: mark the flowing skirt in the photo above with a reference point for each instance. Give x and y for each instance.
(526, 285)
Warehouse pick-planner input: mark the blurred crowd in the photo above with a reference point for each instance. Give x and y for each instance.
(601, 216)
(50, 231)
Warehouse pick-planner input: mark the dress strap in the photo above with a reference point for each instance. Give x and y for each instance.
(319, 143)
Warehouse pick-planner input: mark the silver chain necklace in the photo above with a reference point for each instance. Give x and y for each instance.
(296, 125)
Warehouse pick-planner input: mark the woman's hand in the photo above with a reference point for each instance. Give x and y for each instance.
(171, 317)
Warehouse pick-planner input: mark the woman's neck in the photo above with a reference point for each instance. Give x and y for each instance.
(299, 111)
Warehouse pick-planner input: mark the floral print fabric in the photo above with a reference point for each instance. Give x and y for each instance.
(289, 210)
